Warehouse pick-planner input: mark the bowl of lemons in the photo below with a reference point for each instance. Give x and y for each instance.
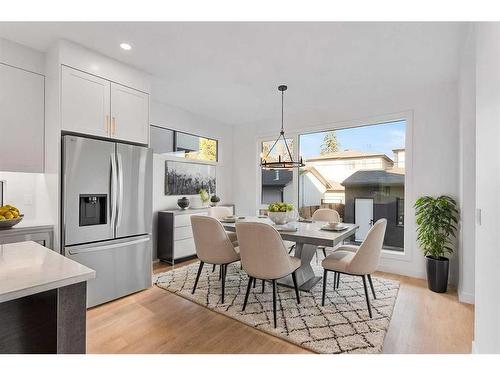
(9, 216)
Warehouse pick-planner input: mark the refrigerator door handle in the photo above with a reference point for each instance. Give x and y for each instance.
(120, 190)
(114, 188)
(82, 250)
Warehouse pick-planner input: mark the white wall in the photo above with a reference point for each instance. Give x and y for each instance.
(487, 295)
(435, 168)
(467, 140)
(175, 118)
(27, 191)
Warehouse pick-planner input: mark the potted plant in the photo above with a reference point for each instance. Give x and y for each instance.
(214, 200)
(204, 196)
(437, 220)
(281, 213)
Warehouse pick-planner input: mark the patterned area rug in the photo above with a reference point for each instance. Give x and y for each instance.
(341, 326)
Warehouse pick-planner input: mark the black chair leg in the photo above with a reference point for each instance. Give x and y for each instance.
(254, 282)
(366, 295)
(325, 274)
(224, 270)
(220, 272)
(294, 278)
(324, 252)
(263, 286)
(334, 280)
(274, 302)
(338, 279)
(371, 286)
(247, 293)
(291, 249)
(197, 276)
(213, 268)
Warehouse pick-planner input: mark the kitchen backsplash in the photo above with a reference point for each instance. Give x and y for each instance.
(29, 193)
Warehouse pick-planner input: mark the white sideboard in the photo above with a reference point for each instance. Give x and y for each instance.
(175, 235)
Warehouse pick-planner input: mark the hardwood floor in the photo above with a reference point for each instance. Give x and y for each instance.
(157, 321)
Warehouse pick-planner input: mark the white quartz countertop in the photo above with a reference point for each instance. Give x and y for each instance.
(28, 268)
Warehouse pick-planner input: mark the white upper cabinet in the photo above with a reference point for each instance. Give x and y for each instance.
(21, 120)
(129, 114)
(95, 106)
(85, 103)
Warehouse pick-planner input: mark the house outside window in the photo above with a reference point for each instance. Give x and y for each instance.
(359, 172)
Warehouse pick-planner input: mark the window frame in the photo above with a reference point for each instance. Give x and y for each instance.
(174, 136)
(391, 261)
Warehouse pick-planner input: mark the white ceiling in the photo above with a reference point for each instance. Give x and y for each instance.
(230, 71)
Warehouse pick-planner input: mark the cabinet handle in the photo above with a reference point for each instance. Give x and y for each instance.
(106, 124)
(113, 124)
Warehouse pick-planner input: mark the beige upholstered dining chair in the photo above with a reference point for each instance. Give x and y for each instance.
(328, 215)
(265, 257)
(220, 212)
(362, 262)
(213, 246)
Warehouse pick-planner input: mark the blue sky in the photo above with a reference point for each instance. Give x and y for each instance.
(373, 138)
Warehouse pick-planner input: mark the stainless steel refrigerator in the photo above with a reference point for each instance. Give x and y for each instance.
(107, 213)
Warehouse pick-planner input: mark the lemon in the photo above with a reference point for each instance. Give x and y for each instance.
(2, 217)
(9, 216)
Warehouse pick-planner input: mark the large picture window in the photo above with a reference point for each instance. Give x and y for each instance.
(360, 172)
(172, 142)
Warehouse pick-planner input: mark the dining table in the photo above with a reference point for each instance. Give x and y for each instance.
(307, 237)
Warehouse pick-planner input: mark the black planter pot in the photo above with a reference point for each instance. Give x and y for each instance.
(437, 274)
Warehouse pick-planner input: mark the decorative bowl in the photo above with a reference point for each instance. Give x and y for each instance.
(280, 218)
(183, 203)
(4, 224)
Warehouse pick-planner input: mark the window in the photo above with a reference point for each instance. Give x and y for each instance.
(359, 172)
(276, 184)
(171, 142)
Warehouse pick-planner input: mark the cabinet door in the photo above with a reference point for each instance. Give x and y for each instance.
(129, 114)
(21, 120)
(85, 103)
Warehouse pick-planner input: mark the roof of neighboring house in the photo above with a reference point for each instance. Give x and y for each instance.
(269, 177)
(328, 184)
(349, 154)
(393, 176)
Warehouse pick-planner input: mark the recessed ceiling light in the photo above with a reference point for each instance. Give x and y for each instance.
(125, 46)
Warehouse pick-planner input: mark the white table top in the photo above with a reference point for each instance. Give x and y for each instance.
(28, 268)
(309, 233)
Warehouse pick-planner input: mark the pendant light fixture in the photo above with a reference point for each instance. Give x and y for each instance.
(281, 163)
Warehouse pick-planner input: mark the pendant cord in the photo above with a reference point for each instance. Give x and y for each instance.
(282, 101)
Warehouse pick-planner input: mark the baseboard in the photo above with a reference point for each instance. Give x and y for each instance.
(465, 297)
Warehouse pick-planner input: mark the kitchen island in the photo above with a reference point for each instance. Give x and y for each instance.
(42, 300)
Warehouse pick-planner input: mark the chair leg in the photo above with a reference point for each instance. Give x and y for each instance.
(274, 302)
(220, 272)
(291, 249)
(334, 280)
(324, 252)
(263, 285)
(366, 295)
(338, 279)
(254, 282)
(247, 293)
(325, 274)
(371, 286)
(224, 270)
(197, 276)
(294, 278)
(213, 268)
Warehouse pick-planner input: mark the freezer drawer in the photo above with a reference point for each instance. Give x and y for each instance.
(122, 267)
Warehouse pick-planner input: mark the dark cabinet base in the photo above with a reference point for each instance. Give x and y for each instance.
(45, 323)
